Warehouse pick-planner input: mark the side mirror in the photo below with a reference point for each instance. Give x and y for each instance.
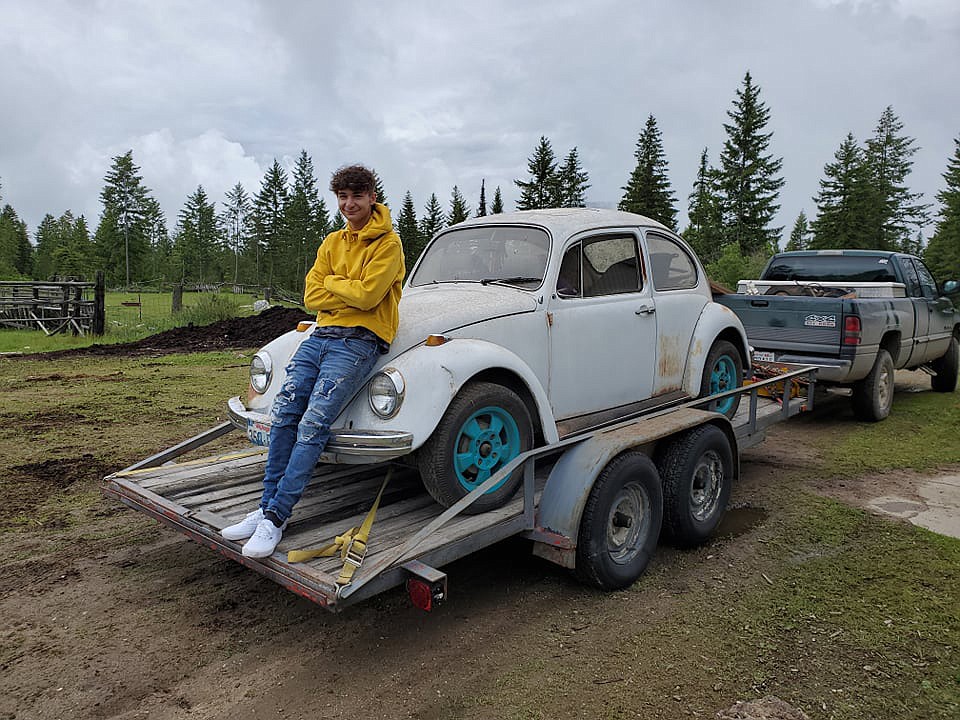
(951, 287)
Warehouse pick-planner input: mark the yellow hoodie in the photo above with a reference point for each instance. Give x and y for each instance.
(355, 281)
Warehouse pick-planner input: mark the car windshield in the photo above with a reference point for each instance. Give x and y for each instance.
(502, 255)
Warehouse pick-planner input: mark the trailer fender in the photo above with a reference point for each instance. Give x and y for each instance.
(572, 477)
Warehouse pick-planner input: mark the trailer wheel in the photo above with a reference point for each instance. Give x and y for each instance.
(485, 426)
(946, 366)
(723, 371)
(697, 472)
(620, 523)
(873, 396)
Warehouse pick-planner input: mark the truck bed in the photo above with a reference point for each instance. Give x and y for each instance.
(412, 532)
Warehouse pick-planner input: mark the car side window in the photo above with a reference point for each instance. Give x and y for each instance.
(568, 281)
(927, 284)
(610, 265)
(911, 279)
(670, 264)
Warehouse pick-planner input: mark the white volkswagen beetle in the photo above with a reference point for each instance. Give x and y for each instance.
(521, 329)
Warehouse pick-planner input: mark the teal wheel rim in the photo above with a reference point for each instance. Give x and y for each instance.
(488, 440)
(723, 377)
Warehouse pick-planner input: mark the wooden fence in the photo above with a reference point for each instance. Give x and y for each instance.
(54, 307)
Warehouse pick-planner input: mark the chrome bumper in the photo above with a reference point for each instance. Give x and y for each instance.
(379, 444)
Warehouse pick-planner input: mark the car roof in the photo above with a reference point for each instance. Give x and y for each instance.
(566, 221)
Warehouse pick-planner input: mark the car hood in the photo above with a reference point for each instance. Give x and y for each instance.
(443, 308)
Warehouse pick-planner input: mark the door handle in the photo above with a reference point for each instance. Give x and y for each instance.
(645, 310)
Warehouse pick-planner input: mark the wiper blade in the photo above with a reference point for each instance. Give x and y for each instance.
(510, 280)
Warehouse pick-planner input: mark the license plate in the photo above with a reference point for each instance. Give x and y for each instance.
(258, 432)
(763, 356)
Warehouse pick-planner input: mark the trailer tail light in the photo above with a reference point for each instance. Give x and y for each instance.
(423, 594)
(851, 330)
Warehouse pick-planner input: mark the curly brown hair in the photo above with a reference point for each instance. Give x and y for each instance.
(355, 178)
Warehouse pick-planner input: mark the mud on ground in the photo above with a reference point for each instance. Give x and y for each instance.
(109, 615)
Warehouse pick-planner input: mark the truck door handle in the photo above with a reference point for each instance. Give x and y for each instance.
(645, 310)
(759, 303)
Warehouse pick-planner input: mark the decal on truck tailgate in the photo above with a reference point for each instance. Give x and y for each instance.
(820, 321)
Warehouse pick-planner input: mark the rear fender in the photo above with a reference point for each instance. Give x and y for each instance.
(717, 322)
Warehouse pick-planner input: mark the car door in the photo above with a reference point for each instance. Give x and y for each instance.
(603, 326)
(679, 301)
(940, 314)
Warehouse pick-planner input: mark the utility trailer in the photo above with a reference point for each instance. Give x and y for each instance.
(594, 503)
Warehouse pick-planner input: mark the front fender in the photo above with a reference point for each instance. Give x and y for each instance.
(433, 375)
(715, 321)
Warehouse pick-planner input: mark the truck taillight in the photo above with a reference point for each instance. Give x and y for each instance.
(851, 330)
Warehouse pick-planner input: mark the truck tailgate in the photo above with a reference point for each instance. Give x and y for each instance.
(782, 323)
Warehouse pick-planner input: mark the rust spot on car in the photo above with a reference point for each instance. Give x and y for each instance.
(670, 363)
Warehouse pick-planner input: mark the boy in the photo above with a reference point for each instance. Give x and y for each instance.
(354, 287)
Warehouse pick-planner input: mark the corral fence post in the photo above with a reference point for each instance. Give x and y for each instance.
(99, 304)
(177, 297)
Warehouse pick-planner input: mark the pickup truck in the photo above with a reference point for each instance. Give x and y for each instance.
(856, 314)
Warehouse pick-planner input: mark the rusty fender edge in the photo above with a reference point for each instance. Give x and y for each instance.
(276, 571)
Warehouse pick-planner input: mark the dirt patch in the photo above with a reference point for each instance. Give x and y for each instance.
(231, 334)
(27, 487)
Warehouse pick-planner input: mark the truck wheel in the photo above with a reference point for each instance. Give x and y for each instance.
(620, 523)
(873, 396)
(723, 371)
(485, 427)
(697, 471)
(946, 366)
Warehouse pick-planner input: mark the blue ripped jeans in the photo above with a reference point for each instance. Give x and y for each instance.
(322, 376)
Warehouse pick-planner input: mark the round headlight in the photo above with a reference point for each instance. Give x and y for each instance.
(385, 391)
(261, 370)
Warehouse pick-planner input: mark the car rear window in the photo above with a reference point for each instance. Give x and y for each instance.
(831, 268)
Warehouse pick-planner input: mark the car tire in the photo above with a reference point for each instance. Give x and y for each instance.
(485, 426)
(946, 368)
(697, 472)
(872, 397)
(620, 523)
(723, 371)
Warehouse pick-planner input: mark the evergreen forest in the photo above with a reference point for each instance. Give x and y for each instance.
(268, 236)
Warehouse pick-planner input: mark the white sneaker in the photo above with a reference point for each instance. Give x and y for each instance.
(245, 528)
(264, 540)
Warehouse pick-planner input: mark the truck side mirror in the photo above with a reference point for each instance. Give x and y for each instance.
(951, 287)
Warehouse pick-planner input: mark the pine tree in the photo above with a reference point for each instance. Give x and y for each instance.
(497, 207)
(572, 182)
(197, 238)
(409, 232)
(888, 156)
(16, 252)
(269, 227)
(74, 256)
(304, 228)
(943, 252)
(800, 235)
(846, 203)
(378, 189)
(542, 189)
(705, 231)
(48, 240)
(749, 178)
(433, 220)
(482, 208)
(236, 219)
(162, 264)
(120, 239)
(648, 190)
(458, 208)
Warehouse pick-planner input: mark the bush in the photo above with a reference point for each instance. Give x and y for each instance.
(209, 308)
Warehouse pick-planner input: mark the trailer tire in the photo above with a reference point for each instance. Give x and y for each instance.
(620, 523)
(723, 371)
(697, 471)
(946, 367)
(873, 396)
(485, 426)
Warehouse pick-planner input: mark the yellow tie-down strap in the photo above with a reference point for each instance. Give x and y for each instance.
(351, 546)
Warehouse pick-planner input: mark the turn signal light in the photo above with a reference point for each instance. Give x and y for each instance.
(303, 326)
(851, 330)
(434, 340)
(424, 595)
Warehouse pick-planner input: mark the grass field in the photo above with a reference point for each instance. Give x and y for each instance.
(131, 316)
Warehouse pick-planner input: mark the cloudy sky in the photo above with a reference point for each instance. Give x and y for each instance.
(437, 94)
